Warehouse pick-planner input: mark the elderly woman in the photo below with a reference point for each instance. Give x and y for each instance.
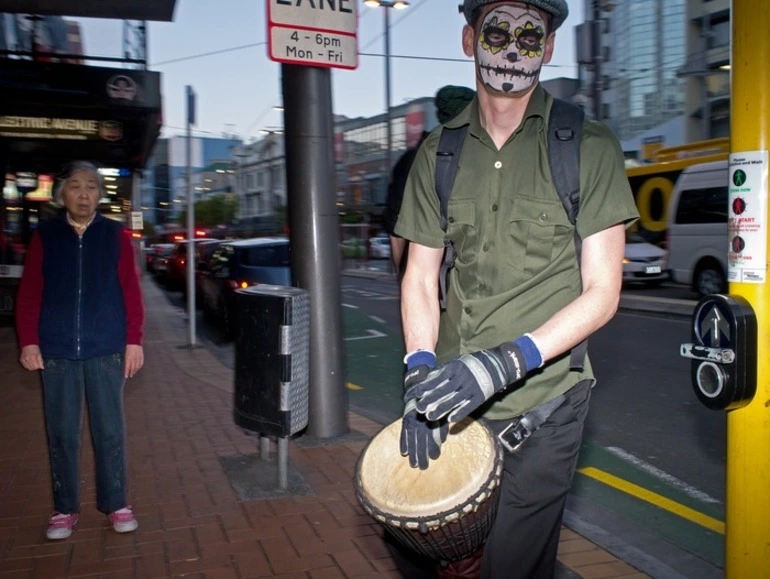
(79, 319)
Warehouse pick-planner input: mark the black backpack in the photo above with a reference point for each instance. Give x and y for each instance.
(565, 125)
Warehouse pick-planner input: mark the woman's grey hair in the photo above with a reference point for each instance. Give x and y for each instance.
(70, 170)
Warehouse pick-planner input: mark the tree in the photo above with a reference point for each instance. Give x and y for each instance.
(217, 210)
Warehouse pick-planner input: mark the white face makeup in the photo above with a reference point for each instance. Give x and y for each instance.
(510, 48)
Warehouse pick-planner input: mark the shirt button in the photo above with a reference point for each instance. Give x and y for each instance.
(486, 247)
(498, 164)
(467, 309)
(494, 207)
(451, 220)
(482, 286)
(543, 217)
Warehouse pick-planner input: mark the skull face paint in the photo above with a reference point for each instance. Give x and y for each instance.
(510, 48)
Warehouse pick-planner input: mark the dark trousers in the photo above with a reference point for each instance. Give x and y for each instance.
(537, 477)
(64, 383)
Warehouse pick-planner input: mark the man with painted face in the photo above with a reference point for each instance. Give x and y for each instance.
(518, 300)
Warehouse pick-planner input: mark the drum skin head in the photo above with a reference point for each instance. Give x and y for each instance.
(392, 487)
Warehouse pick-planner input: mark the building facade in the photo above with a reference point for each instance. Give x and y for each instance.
(260, 184)
(642, 45)
(164, 184)
(360, 147)
(707, 70)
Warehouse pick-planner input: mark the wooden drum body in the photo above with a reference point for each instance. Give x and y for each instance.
(444, 512)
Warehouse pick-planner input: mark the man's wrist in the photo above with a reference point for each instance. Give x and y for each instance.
(531, 351)
(520, 357)
(420, 358)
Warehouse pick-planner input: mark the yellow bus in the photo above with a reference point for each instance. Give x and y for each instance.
(653, 183)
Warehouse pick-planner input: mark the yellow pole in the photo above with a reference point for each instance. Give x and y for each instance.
(747, 543)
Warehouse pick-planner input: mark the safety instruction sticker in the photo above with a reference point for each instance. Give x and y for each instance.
(747, 217)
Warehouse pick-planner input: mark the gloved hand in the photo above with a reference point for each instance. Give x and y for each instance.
(420, 439)
(462, 385)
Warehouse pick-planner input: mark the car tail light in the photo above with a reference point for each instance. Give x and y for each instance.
(234, 285)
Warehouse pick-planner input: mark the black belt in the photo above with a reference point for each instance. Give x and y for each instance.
(525, 425)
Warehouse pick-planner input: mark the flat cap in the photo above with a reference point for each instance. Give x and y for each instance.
(558, 9)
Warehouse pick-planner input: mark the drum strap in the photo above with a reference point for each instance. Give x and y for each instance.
(524, 425)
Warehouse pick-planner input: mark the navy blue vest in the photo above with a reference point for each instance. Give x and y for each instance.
(83, 313)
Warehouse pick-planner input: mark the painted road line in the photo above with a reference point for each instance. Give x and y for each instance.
(351, 306)
(372, 334)
(351, 386)
(687, 489)
(376, 319)
(654, 499)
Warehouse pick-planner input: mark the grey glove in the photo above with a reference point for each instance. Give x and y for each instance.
(460, 386)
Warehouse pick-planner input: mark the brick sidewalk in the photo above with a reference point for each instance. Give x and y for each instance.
(191, 520)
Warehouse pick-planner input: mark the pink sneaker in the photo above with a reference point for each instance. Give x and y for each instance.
(60, 525)
(123, 520)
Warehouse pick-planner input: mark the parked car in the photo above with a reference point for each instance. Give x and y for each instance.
(176, 272)
(151, 253)
(380, 247)
(644, 262)
(203, 253)
(240, 264)
(160, 261)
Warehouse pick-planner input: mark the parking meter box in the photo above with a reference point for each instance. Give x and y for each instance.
(272, 359)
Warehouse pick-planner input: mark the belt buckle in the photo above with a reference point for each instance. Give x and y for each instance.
(515, 434)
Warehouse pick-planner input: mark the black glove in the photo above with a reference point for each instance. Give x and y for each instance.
(420, 439)
(462, 385)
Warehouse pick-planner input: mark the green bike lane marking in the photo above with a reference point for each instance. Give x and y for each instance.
(375, 373)
(649, 502)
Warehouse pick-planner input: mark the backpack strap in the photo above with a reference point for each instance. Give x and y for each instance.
(447, 162)
(565, 129)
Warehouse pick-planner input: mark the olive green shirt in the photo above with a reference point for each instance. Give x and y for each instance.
(516, 264)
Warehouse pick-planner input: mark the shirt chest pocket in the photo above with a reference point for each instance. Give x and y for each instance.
(537, 230)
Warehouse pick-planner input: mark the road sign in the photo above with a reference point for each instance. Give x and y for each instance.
(137, 221)
(313, 32)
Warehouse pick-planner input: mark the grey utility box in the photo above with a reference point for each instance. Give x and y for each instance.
(272, 359)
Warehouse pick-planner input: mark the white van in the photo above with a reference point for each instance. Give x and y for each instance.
(697, 228)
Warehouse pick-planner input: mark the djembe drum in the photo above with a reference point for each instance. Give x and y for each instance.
(444, 512)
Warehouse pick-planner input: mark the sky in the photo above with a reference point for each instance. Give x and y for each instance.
(220, 49)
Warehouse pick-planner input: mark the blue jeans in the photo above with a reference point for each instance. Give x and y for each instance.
(64, 382)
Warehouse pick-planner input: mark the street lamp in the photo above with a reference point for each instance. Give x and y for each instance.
(398, 5)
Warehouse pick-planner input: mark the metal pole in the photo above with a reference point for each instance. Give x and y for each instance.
(597, 60)
(144, 44)
(388, 128)
(747, 538)
(315, 260)
(192, 342)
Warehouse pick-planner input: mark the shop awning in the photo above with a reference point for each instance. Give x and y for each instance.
(159, 10)
(53, 113)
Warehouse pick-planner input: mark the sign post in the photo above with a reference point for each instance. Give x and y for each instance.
(190, 281)
(747, 538)
(310, 38)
